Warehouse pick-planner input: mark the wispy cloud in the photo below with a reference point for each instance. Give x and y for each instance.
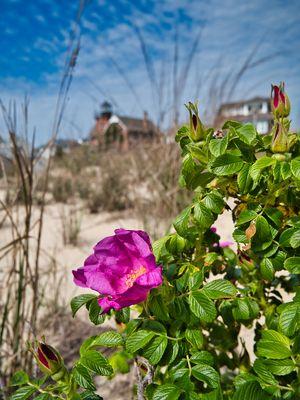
(112, 64)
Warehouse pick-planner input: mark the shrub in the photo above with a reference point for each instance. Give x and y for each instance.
(184, 339)
(62, 189)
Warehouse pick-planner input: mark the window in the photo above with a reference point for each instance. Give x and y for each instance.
(262, 127)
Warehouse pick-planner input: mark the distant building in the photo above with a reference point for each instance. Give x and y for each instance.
(118, 131)
(256, 110)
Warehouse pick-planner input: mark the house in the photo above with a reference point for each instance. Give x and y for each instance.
(256, 110)
(119, 131)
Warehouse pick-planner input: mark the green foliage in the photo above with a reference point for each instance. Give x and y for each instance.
(189, 328)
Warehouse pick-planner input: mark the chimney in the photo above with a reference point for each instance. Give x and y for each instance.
(145, 121)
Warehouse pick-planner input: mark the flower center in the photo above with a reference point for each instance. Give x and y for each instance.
(133, 275)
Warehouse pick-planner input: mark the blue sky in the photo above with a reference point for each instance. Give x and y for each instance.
(111, 65)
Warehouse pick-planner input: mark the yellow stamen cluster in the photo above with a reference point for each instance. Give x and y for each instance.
(133, 275)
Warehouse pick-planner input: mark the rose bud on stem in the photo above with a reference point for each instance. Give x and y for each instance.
(49, 360)
(280, 103)
(196, 127)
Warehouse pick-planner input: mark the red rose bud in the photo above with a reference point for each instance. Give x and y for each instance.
(49, 360)
(280, 139)
(280, 102)
(196, 126)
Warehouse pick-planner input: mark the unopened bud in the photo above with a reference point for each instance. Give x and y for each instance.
(196, 127)
(49, 360)
(280, 140)
(280, 102)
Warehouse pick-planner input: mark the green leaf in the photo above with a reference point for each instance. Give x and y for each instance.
(206, 374)
(19, 378)
(167, 392)
(181, 222)
(87, 395)
(295, 167)
(295, 239)
(244, 179)
(250, 391)
(202, 357)
(79, 301)
(245, 216)
(285, 170)
(227, 164)
(158, 307)
(292, 264)
(138, 340)
(263, 372)
(214, 202)
(202, 306)
(289, 320)
(108, 339)
(285, 237)
(245, 309)
(259, 165)
(280, 367)
(263, 235)
(267, 269)
(247, 133)
(23, 393)
(218, 146)
(203, 216)
(219, 289)
(273, 345)
(45, 396)
(194, 337)
(155, 350)
(95, 362)
(158, 246)
(82, 377)
(95, 312)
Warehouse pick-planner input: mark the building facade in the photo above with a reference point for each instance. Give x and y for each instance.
(256, 111)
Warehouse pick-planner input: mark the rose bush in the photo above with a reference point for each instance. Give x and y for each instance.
(185, 336)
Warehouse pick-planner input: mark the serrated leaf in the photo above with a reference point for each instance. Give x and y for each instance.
(295, 167)
(250, 391)
(107, 339)
(295, 239)
(292, 264)
(263, 372)
(202, 306)
(244, 179)
(247, 133)
(87, 395)
(227, 164)
(206, 374)
(273, 345)
(285, 170)
(95, 362)
(181, 222)
(194, 337)
(79, 301)
(95, 312)
(203, 216)
(155, 349)
(259, 165)
(245, 216)
(167, 392)
(218, 146)
(138, 340)
(23, 393)
(280, 367)
(214, 202)
(263, 235)
(83, 377)
(202, 357)
(267, 269)
(285, 237)
(219, 289)
(289, 320)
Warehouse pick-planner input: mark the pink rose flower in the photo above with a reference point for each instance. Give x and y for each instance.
(122, 269)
